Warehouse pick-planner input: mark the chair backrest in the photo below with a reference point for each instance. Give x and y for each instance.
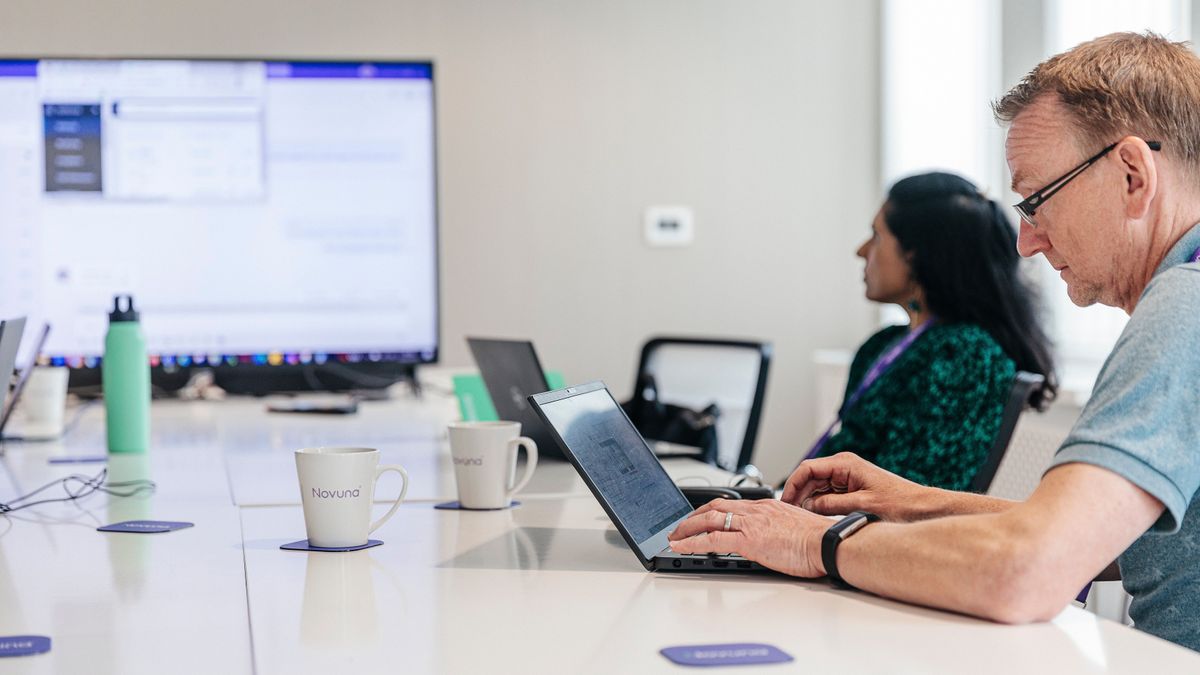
(1023, 388)
(694, 372)
(1036, 439)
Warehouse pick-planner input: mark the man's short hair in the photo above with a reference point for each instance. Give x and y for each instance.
(1121, 84)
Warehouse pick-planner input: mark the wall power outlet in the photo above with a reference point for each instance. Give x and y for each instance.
(669, 226)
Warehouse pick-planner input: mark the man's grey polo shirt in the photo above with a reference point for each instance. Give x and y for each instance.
(1143, 422)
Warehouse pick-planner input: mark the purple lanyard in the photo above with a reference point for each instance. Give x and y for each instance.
(873, 374)
(1195, 256)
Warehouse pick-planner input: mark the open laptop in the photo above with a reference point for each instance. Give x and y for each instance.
(511, 371)
(10, 340)
(629, 482)
(22, 379)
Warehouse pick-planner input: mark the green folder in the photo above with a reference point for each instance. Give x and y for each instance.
(475, 404)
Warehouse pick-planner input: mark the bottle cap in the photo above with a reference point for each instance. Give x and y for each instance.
(118, 314)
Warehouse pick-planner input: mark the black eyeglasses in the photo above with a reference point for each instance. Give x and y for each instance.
(1030, 205)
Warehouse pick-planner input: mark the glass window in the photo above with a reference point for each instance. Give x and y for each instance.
(937, 85)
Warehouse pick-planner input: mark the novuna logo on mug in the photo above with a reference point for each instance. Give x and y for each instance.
(468, 461)
(318, 493)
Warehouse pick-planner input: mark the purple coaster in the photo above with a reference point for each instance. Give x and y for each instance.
(81, 459)
(303, 545)
(735, 654)
(23, 645)
(145, 526)
(456, 506)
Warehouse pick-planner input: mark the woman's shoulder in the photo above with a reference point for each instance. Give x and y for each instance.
(962, 337)
(965, 336)
(967, 345)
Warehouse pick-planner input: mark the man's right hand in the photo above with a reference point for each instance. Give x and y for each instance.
(846, 482)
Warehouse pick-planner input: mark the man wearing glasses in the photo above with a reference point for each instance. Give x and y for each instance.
(1104, 144)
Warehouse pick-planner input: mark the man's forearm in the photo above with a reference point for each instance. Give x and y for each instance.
(938, 503)
(973, 564)
(1022, 561)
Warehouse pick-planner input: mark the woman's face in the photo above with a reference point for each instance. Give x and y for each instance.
(888, 275)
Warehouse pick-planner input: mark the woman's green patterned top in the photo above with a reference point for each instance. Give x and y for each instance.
(932, 416)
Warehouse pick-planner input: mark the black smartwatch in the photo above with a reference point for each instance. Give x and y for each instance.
(833, 538)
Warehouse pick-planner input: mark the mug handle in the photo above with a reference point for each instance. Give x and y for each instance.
(403, 491)
(530, 462)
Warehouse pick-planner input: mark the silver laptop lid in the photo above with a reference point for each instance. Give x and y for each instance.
(23, 378)
(10, 340)
(617, 465)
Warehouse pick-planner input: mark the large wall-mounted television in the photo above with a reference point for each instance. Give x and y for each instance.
(275, 221)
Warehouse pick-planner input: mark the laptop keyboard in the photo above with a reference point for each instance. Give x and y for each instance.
(682, 561)
(668, 553)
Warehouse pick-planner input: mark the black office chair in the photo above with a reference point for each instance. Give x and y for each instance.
(1020, 397)
(695, 372)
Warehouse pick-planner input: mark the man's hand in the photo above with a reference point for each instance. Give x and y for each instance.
(846, 482)
(773, 534)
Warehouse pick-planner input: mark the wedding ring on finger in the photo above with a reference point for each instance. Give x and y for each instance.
(728, 520)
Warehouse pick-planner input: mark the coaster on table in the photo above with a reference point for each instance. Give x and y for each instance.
(736, 654)
(457, 506)
(145, 526)
(23, 645)
(303, 545)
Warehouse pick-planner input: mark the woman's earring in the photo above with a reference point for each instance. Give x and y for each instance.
(914, 306)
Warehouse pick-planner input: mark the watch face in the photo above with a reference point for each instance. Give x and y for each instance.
(852, 527)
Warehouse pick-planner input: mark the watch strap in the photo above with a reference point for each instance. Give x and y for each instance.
(833, 538)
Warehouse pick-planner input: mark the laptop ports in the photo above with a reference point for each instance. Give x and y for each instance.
(720, 563)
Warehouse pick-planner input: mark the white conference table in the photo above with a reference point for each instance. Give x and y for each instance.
(545, 587)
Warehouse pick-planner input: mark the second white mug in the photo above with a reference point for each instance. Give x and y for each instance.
(484, 455)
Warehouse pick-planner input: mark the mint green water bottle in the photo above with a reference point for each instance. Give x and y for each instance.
(125, 373)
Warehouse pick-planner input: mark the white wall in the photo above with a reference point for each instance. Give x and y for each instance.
(561, 121)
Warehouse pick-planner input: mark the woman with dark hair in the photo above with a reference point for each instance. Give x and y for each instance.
(925, 400)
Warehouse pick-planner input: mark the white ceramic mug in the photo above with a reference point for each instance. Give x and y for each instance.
(337, 487)
(41, 412)
(484, 455)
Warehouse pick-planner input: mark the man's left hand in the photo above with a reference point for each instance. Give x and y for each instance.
(769, 532)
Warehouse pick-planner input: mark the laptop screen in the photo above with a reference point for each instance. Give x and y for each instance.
(626, 475)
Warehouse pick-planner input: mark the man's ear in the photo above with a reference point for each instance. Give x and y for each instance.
(1136, 159)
